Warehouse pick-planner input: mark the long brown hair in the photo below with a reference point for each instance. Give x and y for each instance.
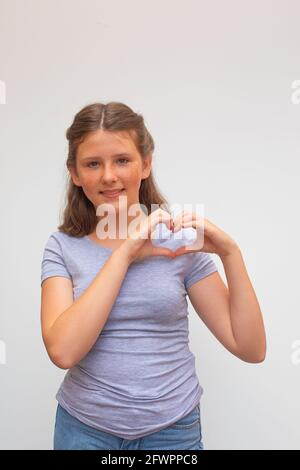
(79, 214)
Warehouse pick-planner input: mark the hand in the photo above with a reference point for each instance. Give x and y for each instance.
(210, 238)
(138, 245)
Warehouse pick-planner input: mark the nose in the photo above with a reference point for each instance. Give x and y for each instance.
(108, 175)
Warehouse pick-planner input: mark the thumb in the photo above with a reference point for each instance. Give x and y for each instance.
(163, 252)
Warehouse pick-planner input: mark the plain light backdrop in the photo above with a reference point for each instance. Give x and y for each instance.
(214, 81)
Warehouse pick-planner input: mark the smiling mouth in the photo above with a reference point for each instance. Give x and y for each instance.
(112, 194)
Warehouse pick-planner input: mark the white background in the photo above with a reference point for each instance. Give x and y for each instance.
(213, 80)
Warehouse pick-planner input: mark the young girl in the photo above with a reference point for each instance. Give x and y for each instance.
(114, 309)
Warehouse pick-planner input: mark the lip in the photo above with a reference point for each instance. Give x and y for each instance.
(112, 194)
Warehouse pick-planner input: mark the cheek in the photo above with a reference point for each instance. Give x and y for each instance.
(89, 179)
(134, 176)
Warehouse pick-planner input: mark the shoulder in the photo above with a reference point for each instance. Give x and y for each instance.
(63, 239)
(198, 265)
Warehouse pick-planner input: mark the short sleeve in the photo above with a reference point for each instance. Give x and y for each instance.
(53, 263)
(200, 266)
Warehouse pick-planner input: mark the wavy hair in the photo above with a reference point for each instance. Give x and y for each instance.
(79, 214)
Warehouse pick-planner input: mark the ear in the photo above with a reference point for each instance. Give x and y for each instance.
(74, 175)
(147, 165)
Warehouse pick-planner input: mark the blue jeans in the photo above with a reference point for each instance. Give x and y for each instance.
(70, 433)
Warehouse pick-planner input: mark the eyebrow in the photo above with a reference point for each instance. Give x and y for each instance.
(100, 158)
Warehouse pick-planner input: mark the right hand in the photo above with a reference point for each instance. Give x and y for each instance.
(138, 245)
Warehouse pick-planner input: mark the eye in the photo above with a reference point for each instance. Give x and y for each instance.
(124, 160)
(90, 164)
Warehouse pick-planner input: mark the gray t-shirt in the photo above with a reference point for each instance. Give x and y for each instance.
(139, 376)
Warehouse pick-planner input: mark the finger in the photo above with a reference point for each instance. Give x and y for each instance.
(163, 252)
(194, 224)
(185, 225)
(184, 216)
(178, 222)
(148, 226)
(194, 217)
(180, 251)
(189, 224)
(161, 217)
(198, 243)
(176, 227)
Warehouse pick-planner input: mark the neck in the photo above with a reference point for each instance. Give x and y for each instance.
(118, 229)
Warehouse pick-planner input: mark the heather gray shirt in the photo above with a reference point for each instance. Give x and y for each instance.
(139, 376)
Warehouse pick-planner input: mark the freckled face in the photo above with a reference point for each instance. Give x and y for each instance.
(107, 161)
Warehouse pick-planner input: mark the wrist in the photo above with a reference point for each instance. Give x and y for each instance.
(232, 250)
(124, 251)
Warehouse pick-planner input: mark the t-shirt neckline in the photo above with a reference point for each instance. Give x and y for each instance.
(97, 244)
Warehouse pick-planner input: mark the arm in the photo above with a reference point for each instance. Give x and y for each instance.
(68, 336)
(69, 328)
(232, 314)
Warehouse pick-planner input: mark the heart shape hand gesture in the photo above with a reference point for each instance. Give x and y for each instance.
(190, 233)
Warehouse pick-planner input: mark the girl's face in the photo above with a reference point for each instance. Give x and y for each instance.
(108, 161)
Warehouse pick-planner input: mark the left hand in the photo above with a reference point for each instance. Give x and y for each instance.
(213, 240)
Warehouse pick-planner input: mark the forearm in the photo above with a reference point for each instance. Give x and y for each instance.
(246, 318)
(77, 328)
